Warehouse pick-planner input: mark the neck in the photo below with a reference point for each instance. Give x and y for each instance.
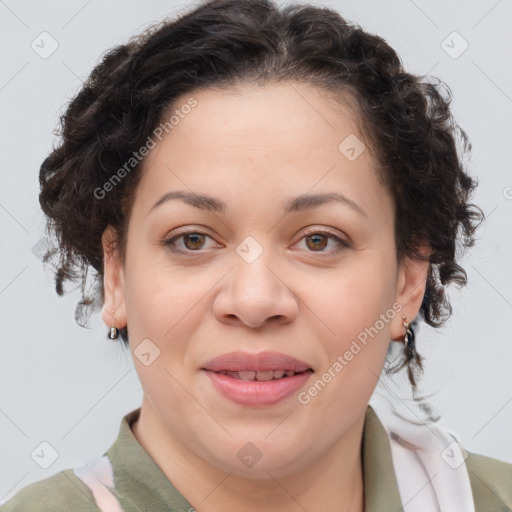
(334, 482)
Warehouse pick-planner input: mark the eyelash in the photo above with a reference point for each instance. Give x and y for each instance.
(170, 242)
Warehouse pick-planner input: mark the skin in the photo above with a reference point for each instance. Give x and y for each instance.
(253, 149)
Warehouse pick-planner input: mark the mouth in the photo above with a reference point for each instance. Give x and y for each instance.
(244, 387)
(261, 379)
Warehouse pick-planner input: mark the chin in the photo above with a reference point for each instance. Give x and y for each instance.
(255, 459)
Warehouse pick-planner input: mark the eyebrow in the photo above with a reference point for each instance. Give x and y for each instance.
(296, 204)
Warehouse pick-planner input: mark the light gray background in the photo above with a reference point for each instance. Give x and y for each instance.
(68, 386)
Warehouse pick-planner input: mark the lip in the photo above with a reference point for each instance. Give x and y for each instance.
(256, 393)
(259, 362)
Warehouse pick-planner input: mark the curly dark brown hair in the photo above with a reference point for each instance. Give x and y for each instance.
(405, 119)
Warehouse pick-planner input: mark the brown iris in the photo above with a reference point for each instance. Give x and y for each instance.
(317, 236)
(197, 238)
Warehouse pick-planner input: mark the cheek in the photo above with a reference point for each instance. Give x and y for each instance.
(356, 309)
(355, 297)
(164, 308)
(159, 329)
(160, 300)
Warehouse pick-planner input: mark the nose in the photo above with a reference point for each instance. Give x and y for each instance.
(254, 295)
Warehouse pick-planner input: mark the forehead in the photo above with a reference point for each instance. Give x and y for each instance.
(273, 116)
(277, 138)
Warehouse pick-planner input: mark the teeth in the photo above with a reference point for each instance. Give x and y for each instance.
(245, 375)
(269, 375)
(259, 376)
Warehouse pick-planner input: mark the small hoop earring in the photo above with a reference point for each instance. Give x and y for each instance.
(113, 332)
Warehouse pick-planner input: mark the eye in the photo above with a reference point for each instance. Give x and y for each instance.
(318, 240)
(193, 241)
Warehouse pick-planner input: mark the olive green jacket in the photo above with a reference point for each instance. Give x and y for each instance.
(140, 485)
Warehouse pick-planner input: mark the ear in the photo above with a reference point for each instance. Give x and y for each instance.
(113, 282)
(410, 289)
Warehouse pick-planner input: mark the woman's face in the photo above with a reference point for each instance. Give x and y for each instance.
(318, 282)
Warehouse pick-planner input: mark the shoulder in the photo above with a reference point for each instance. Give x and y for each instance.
(491, 483)
(60, 492)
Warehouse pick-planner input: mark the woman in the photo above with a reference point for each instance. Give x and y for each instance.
(268, 200)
